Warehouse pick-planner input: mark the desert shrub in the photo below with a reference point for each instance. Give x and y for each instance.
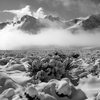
(75, 55)
(55, 65)
(3, 61)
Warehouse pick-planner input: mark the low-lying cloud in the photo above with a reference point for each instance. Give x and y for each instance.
(16, 39)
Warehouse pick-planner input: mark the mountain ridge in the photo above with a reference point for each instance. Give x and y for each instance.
(33, 25)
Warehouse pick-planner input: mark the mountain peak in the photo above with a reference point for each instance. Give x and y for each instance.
(31, 24)
(91, 22)
(39, 14)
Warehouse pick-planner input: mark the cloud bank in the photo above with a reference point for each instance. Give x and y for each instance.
(16, 39)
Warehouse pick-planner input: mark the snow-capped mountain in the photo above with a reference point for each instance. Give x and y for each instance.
(90, 23)
(31, 24)
(28, 24)
(37, 21)
(73, 22)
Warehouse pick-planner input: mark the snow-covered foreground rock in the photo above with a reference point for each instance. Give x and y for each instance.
(55, 76)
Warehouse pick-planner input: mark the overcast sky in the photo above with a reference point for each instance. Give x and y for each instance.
(66, 9)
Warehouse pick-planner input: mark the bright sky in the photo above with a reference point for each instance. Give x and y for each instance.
(66, 9)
